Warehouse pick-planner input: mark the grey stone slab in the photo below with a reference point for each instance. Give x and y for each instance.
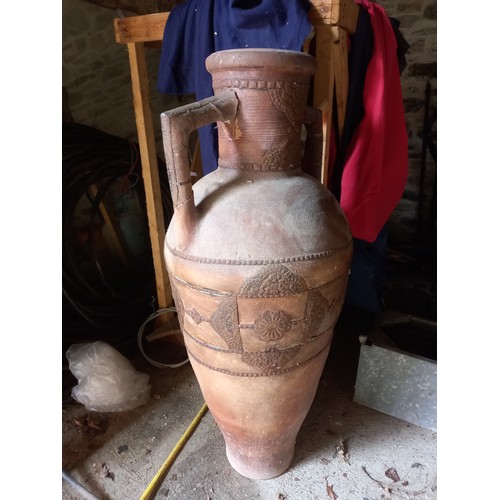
(399, 384)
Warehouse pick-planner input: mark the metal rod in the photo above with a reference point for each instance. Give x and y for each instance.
(84, 491)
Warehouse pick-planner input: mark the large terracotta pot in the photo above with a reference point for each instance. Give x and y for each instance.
(258, 254)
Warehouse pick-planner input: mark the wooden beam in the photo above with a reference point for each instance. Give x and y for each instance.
(345, 14)
(150, 27)
(341, 75)
(145, 130)
(323, 88)
(147, 28)
(320, 12)
(342, 13)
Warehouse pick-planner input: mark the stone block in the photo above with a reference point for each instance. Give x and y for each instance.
(408, 20)
(413, 104)
(427, 70)
(413, 6)
(430, 11)
(398, 383)
(417, 46)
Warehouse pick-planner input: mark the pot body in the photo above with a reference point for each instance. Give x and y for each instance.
(260, 279)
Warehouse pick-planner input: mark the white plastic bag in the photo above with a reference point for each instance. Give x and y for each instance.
(107, 381)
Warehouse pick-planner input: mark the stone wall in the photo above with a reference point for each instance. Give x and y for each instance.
(96, 76)
(419, 27)
(96, 72)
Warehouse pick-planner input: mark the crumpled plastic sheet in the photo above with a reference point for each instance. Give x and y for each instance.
(107, 381)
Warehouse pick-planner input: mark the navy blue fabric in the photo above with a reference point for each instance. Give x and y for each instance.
(360, 54)
(365, 288)
(197, 28)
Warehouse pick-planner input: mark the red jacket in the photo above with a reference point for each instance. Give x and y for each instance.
(376, 165)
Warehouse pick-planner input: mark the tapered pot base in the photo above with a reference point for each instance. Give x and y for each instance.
(263, 467)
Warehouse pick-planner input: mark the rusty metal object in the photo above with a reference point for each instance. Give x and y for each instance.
(258, 254)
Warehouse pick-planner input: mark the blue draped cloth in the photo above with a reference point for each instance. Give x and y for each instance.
(197, 28)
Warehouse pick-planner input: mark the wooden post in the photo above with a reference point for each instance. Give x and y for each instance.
(145, 130)
(341, 75)
(333, 21)
(323, 88)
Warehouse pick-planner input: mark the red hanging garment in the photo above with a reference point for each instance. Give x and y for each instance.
(376, 165)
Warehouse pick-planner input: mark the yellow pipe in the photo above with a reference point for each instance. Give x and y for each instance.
(156, 481)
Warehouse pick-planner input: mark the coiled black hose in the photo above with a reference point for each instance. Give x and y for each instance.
(103, 297)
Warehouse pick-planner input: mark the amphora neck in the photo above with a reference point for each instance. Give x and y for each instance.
(272, 88)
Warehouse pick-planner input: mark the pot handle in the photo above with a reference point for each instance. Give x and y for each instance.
(313, 151)
(176, 126)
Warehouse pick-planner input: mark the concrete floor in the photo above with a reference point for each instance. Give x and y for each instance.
(343, 449)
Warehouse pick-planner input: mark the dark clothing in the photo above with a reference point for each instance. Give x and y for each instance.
(197, 28)
(374, 163)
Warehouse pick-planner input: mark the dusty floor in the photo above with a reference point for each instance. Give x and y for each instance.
(344, 451)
